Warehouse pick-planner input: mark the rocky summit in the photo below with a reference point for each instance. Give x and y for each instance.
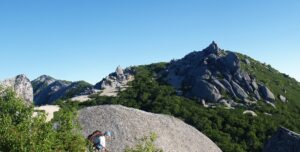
(22, 87)
(128, 125)
(115, 82)
(213, 75)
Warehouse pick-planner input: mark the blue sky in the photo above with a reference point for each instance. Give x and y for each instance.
(86, 40)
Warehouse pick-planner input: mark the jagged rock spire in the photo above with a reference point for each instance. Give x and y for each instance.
(21, 85)
(119, 70)
(212, 48)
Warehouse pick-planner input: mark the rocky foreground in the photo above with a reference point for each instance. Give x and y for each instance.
(128, 125)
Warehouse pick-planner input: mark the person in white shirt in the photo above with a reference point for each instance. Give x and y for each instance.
(101, 146)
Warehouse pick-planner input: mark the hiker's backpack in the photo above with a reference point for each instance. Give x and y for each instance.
(92, 137)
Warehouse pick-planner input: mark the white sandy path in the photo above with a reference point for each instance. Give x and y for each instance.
(82, 98)
(49, 110)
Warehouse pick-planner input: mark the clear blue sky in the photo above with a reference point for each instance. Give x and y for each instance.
(88, 39)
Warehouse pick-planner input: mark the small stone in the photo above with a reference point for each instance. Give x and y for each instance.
(204, 104)
(247, 61)
(249, 112)
(271, 104)
(282, 98)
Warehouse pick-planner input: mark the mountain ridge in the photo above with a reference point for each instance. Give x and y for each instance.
(200, 88)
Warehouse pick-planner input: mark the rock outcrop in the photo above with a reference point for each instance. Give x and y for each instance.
(47, 89)
(214, 74)
(21, 85)
(283, 140)
(115, 82)
(128, 125)
(267, 94)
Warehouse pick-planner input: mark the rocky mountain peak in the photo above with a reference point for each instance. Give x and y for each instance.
(212, 48)
(115, 82)
(21, 77)
(119, 70)
(212, 74)
(45, 79)
(21, 85)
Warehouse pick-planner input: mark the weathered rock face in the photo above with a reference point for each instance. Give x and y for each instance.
(22, 86)
(208, 91)
(128, 125)
(283, 140)
(115, 82)
(47, 89)
(267, 94)
(213, 73)
(239, 91)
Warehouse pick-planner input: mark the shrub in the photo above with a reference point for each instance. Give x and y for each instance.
(20, 131)
(146, 145)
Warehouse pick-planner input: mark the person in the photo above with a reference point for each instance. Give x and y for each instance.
(99, 140)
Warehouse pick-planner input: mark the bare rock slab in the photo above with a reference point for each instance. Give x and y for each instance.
(128, 125)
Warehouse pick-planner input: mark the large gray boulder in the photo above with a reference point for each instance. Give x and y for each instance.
(229, 87)
(283, 140)
(128, 125)
(21, 85)
(231, 62)
(205, 90)
(239, 91)
(266, 93)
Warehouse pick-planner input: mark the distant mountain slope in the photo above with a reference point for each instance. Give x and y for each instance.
(128, 125)
(285, 89)
(47, 89)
